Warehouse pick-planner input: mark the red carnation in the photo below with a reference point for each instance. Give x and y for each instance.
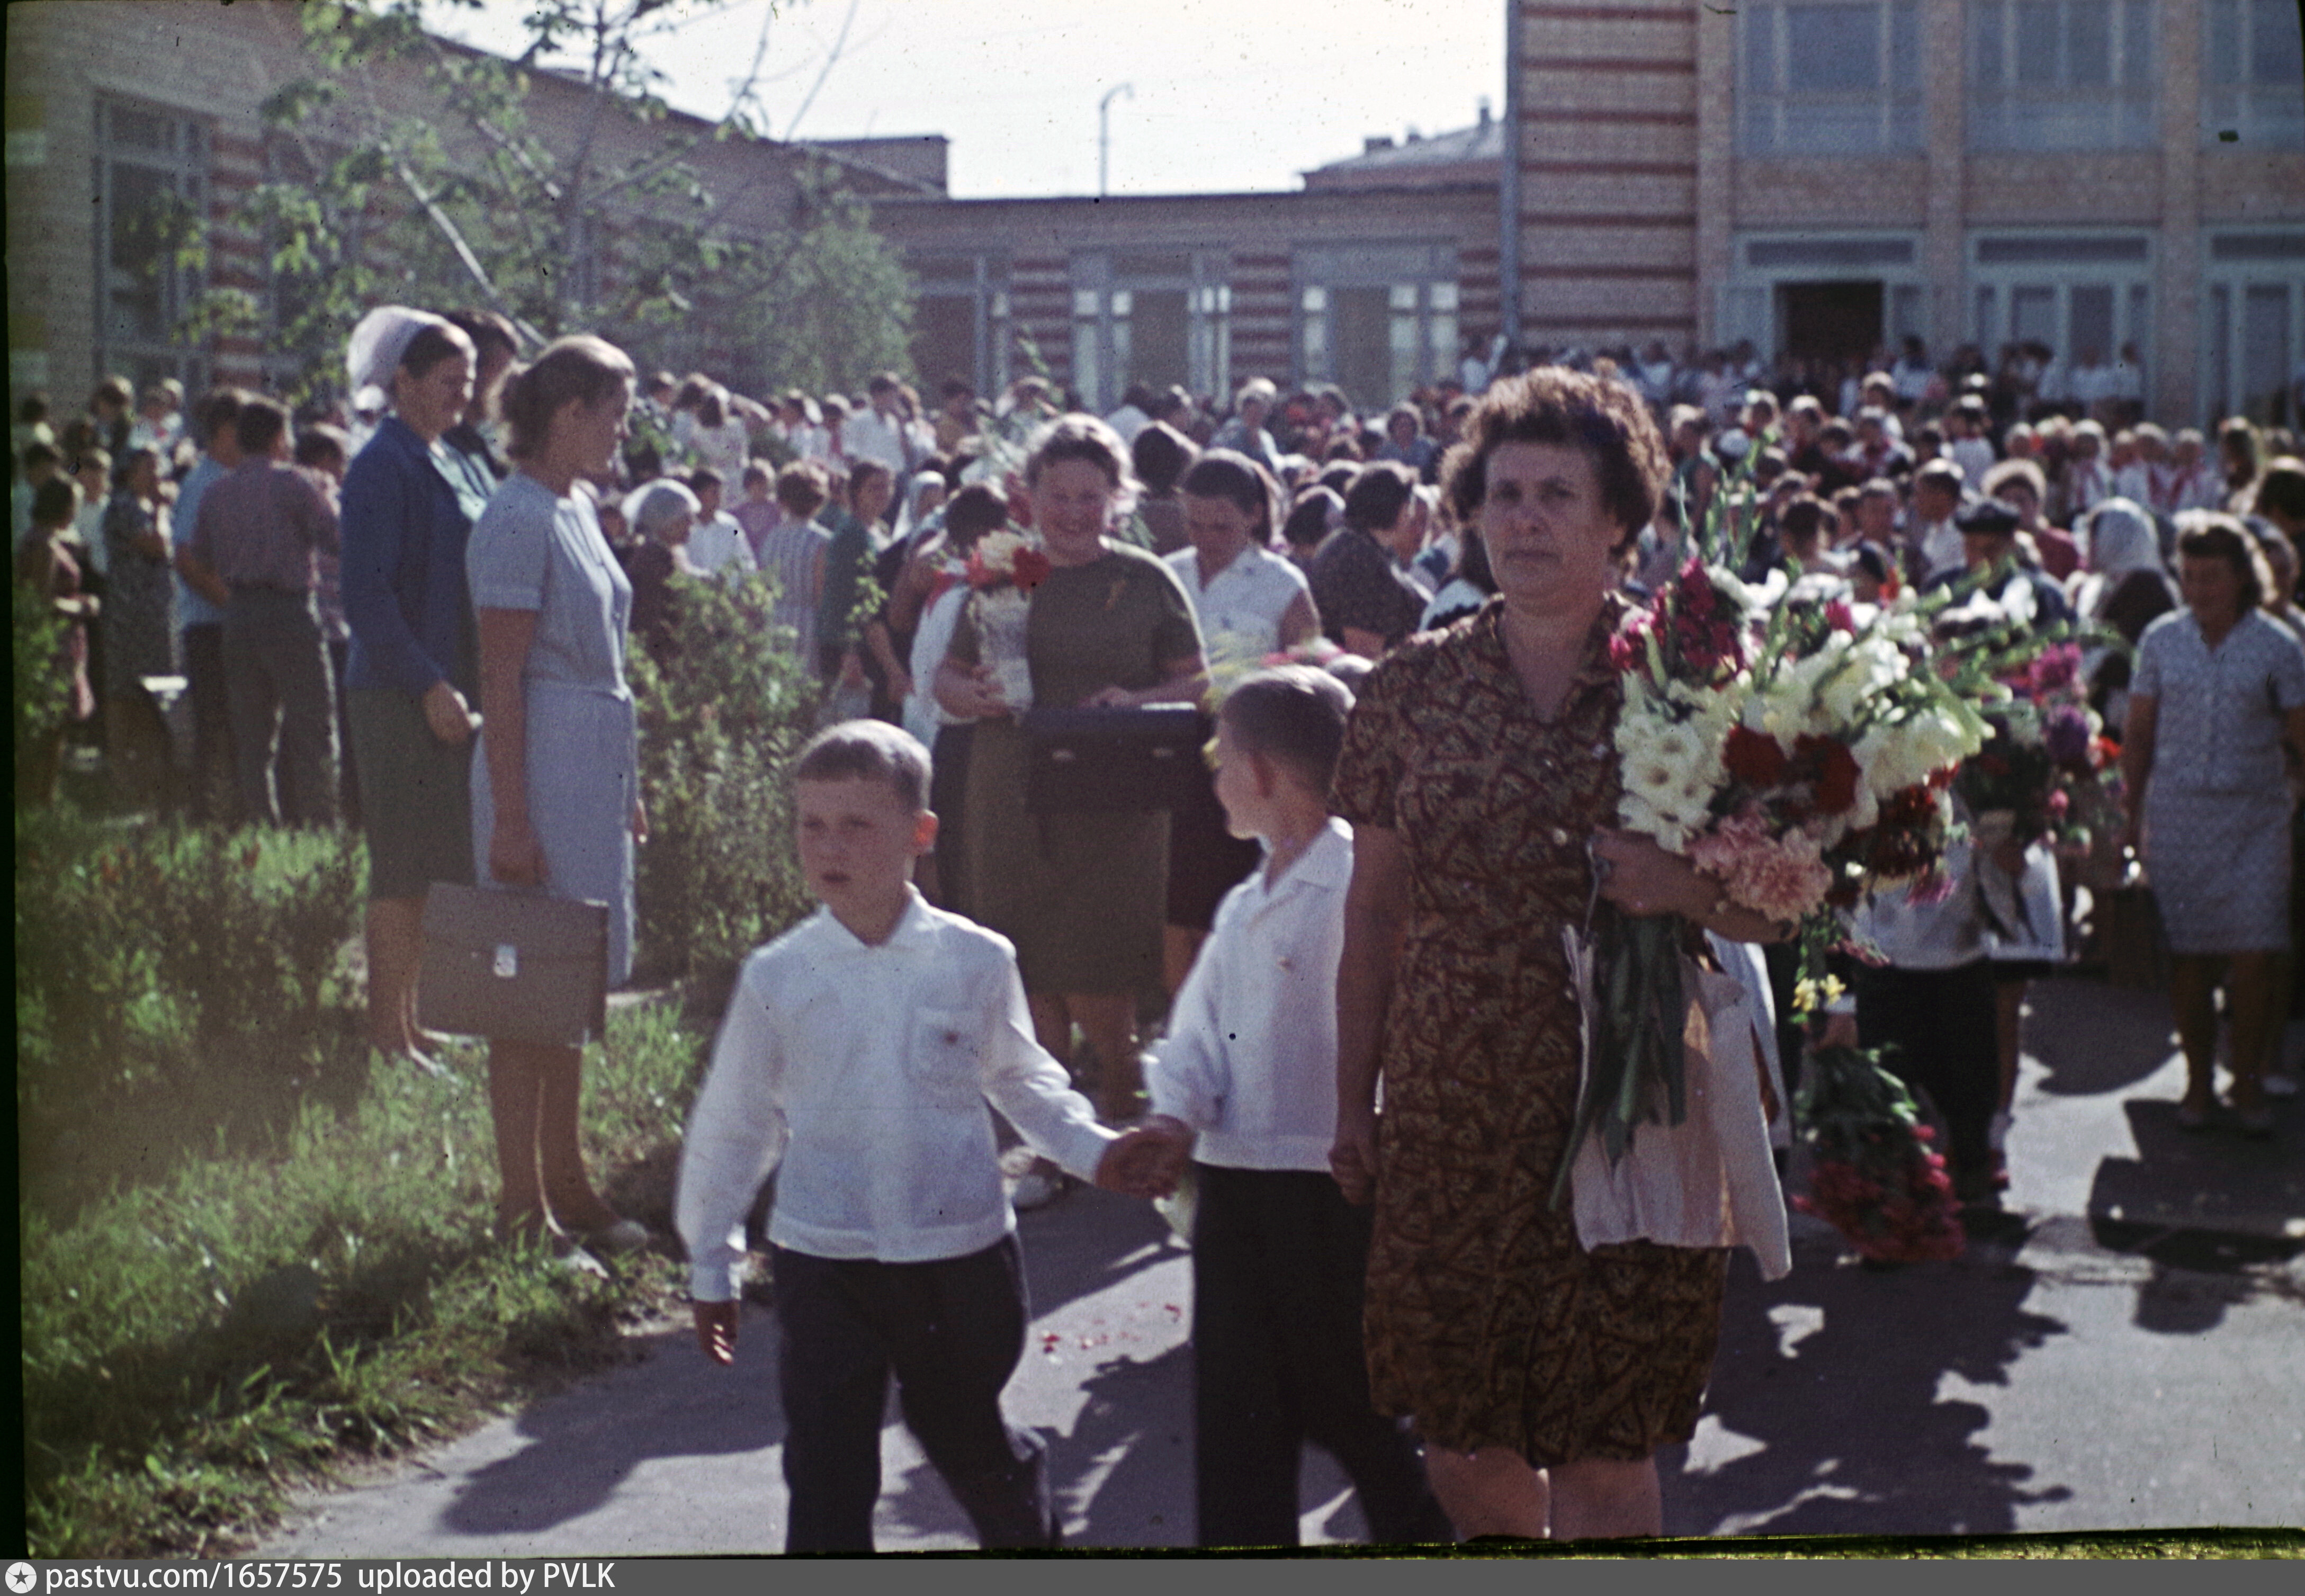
(1835, 784)
(1754, 758)
(1030, 568)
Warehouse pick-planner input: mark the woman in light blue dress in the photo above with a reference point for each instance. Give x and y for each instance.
(2212, 759)
(555, 797)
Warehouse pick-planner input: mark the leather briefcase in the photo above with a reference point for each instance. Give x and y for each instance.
(513, 966)
(1114, 762)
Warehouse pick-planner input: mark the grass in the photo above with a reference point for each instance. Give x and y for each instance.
(199, 1345)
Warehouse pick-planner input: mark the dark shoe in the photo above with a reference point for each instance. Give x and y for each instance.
(2189, 1118)
(2257, 1124)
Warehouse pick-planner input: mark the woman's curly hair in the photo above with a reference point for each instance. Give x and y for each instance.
(1553, 404)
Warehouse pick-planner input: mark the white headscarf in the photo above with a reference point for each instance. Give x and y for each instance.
(2121, 541)
(377, 346)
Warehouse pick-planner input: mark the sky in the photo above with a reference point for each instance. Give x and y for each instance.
(1222, 97)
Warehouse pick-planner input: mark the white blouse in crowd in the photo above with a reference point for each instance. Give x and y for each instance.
(1240, 608)
(720, 545)
(939, 619)
(895, 443)
(726, 448)
(2218, 725)
(861, 1074)
(1930, 932)
(1250, 1060)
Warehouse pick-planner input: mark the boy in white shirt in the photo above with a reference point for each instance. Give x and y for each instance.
(1250, 1065)
(717, 546)
(857, 1055)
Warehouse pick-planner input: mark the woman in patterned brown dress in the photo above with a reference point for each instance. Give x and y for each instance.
(1478, 770)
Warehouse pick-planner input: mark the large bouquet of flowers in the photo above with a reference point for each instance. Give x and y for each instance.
(1003, 570)
(1874, 1176)
(1800, 753)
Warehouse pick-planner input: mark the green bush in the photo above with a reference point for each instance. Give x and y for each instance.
(195, 1348)
(40, 681)
(718, 877)
(147, 953)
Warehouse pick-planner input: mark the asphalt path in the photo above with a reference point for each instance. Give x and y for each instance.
(2126, 1356)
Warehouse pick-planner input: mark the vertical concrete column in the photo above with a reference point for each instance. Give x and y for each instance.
(2176, 394)
(1716, 168)
(1944, 112)
(1509, 219)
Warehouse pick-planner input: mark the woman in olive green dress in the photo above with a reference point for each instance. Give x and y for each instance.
(1082, 895)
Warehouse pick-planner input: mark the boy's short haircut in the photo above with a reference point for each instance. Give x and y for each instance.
(320, 443)
(704, 477)
(754, 471)
(868, 751)
(260, 424)
(1293, 715)
(973, 512)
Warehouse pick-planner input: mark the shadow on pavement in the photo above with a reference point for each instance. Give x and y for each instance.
(1828, 1408)
(2106, 1036)
(583, 1444)
(1086, 1242)
(2214, 1181)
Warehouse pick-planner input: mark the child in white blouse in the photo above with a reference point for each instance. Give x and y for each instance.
(857, 1055)
(1250, 1066)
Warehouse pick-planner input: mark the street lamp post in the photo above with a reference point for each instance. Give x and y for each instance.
(1104, 133)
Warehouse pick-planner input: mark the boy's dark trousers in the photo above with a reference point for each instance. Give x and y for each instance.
(1279, 1262)
(952, 1333)
(1942, 1024)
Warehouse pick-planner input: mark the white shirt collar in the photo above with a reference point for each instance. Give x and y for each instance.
(1327, 862)
(913, 924)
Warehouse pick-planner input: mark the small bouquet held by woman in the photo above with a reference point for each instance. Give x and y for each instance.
(1003, 570)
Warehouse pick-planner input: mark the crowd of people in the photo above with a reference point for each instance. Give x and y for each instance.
(1329, 971)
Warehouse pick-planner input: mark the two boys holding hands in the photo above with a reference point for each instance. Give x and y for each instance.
(856, 1059)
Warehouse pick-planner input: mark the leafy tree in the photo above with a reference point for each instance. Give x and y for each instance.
(453, 194)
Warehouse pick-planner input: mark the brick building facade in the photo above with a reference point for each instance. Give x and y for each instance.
(1825, 177)
(118, 110)
(1374, 276)
(1819, 177)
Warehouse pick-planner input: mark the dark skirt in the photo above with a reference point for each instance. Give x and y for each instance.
(416, 797)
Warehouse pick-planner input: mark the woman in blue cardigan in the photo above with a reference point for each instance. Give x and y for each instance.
(411, 676)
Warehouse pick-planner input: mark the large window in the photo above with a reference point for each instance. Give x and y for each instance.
(2086, 298)
(1378, 321)
(2253, 326)
(960, 322)
(1830, 77)
(1160, 318)
(2060, 74)
(2253, 77)
(150, 192)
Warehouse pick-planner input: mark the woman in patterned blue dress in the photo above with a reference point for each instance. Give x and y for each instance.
(555, 798)
(2211, 759)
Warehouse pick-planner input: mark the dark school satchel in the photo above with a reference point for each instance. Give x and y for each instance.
(513, 966)
(1113, 761)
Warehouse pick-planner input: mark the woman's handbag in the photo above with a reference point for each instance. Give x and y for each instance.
(1113, 761)
(513, 966)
